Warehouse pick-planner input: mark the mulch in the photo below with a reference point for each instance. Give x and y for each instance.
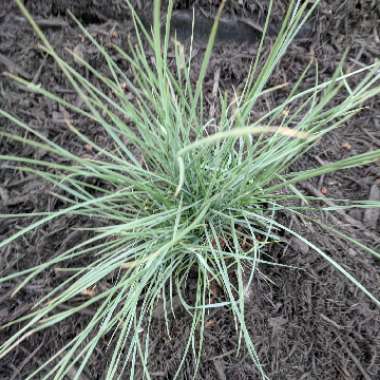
(308, 323)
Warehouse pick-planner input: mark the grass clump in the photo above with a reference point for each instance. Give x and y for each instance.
(176, 199)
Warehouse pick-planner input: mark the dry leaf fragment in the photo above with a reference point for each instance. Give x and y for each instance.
(89, 292)
(346, 146)
(324, 190)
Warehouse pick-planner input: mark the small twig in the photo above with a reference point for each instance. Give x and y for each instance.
(354, 359)
(205, 14)
(321, 180)
(349, 219)
(228, 353)
(331, 322)
(39, 71)
(255, 26)
(20, 366)
(215, 92)
(319, 160)
(46, 23)
(373, 139)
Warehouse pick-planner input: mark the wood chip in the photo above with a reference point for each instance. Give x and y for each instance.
(372, 215)
(220, 369)
(12, 67)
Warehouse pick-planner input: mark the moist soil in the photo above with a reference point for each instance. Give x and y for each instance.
(308, 323)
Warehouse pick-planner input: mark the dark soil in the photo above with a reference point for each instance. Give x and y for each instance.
(307, 324)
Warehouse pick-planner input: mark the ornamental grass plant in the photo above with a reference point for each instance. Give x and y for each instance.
(176, 192)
